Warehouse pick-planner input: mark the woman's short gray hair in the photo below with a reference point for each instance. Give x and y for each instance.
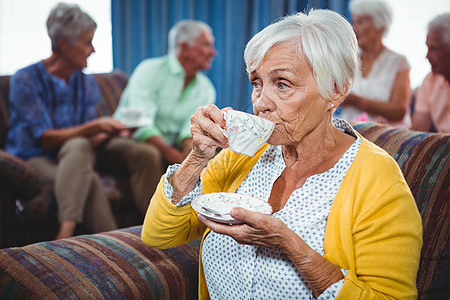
(441, 24)
(379, 10)
(67, 21)
(322, 37)
(186, 31)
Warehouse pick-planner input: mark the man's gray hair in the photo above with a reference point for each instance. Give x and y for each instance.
(67, 21)
(323, 38)
(186, 31)
(379, 10)
(441, 24)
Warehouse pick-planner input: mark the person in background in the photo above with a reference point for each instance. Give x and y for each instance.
(432, 104)
(339, 201)
(169, 89)
(54, 127)
(382, 90)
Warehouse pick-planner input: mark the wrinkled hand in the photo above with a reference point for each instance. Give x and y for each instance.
(107, 125)
(103, 129)
(126, 132)
(258, 229)
(206, 134)
(99, 139)
(267, 231)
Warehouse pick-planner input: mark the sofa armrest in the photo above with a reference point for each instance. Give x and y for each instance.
(110, 265)
(111, 86)
(17, 177)
(424, 159)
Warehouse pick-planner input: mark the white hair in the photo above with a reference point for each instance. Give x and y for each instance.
(323, 38)
(186, 31)
(379, 10)
(67, 21)
(441, 24)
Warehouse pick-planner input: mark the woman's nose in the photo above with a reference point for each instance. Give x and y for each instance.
(264, 102)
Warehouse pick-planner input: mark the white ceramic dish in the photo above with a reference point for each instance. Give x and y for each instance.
(137, 123)
(217, 206)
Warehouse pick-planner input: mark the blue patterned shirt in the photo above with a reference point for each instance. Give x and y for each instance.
(40, 101)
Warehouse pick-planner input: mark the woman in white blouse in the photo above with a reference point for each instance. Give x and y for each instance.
(382, 87)
(344, 223)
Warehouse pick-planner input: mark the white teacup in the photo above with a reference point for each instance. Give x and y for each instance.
(247, 133)
(131, 116)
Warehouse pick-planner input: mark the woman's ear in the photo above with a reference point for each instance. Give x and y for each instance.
(339, 97)
(63, 44)
(382, 31)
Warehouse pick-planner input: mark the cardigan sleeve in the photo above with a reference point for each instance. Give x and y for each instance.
(374, 230)
(166, 225)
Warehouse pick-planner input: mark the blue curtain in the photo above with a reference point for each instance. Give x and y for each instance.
(140, 29)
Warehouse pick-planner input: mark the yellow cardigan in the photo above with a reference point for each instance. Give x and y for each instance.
(374, 229)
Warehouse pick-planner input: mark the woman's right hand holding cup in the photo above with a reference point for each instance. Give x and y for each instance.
(207, 133)
(207, 136)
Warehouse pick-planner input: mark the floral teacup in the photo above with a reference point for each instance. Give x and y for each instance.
(247, 133)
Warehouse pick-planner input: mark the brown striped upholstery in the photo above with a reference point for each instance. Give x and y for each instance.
(111, 87)
(424, 159)
(111, 265)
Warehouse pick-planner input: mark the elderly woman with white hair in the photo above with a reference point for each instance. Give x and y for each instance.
(344, 223)
(382, 90)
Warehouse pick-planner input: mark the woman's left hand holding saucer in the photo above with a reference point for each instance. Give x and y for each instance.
(257, 228)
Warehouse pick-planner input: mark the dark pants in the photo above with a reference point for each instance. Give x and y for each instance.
(77, 186)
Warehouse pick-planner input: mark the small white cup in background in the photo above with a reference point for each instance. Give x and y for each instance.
(131, 116)
(247, 133)
(135, 117)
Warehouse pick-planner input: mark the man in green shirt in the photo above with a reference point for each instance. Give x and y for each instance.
(165, 91)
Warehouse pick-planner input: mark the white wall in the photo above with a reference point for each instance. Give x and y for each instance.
(24, 39)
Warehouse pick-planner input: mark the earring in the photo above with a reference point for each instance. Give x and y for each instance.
(332, 105)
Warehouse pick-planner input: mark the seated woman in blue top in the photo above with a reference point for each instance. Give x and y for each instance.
(54, 127)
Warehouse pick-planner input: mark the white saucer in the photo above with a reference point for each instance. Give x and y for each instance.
(217, 206)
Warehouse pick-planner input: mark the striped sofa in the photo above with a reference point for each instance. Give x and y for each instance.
(27, 210)
(117, 265)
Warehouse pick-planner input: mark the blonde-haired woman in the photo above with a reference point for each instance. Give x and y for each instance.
(381, 91)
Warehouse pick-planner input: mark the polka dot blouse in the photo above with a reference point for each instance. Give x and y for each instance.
(235, 271)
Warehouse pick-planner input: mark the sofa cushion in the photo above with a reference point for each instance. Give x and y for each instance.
(18, 177)
(111, 265)
(424, 159)
(111, 87)
(4, 109)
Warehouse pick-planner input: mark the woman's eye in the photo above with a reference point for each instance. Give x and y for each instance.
(282, 86)
(256, 85)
